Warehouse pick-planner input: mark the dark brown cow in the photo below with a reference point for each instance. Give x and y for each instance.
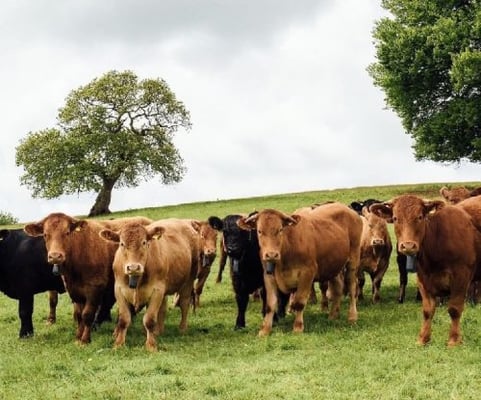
(84, 261)
(150, 263)
(457, 194)
(300, 248)
(443, 240)
(376, 248)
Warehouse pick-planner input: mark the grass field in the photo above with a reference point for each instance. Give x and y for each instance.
(377, 358)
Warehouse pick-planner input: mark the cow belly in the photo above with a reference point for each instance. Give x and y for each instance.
(288, 279)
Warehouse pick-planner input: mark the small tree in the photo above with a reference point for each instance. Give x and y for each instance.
(113, 132)
(429, 66)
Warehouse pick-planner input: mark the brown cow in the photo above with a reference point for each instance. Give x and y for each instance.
(299, 248)
(208, 245)
(457, 194)
(443, 240)
(150, 263)
(84, 261)
(376, 251)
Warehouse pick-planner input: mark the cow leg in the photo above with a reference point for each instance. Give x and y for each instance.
(403, 276)
(456, 302)
(336, 289)
(150, 317)
(376, 286)
(361, 281)
(108, 301)
(271, 305)
(77, 316)
(199, 285)
(185, 295)
(242, 300)
(351, 273)
(429, 307)
(52, 301)
(161, 317)
(124, 319)
(88, 317)
(324, 285)
(25, 311)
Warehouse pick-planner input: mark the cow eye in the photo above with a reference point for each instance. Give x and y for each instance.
(122, 244)
(394, 219)
(144, 242)
(259, 233)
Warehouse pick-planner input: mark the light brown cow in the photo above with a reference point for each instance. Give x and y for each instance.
(376, 248)
(457, 194)
(443, 240)
(150, 263)
(299, 248)
(84, 261)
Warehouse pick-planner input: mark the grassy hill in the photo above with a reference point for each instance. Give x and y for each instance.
(377, 358)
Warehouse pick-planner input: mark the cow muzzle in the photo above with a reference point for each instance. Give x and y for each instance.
(408, 248)
(55, 257)
(134, 272)
(377, 242)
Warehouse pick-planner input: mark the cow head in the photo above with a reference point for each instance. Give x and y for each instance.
(133, 240)
(376, 226)
(455, 195)
(208, 241)
(409, 214)
(270, 225)
(58, 231)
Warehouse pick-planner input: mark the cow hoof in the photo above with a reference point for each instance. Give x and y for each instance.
(25, 335)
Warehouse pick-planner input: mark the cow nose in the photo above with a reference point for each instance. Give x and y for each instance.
(408, 248)
(377, 242)
(209, 252)
(132, 268)
(271, 256)
(55, 258)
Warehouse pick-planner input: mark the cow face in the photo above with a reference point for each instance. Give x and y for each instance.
(132, 254)
(208, 241)
(235, 240)
(455, 195)
(270, 225)
(376, 227)
(57, 230)
(408, 214)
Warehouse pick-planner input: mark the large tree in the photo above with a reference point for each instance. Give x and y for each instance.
(429, 66)
(114, 132)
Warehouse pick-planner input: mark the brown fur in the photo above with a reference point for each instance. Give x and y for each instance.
(376, 248)
(443, 239)
(315, 244)
(457, 194)
(166, 255)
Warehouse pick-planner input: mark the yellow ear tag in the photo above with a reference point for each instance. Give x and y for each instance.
(156, 236)
(78, 229)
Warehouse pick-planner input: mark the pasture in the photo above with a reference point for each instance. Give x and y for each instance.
(377, 358)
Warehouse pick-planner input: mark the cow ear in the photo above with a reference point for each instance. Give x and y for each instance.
(356, 206)
(247, 223)
(433, 205)
(77, 225)
(109, 236)
(216, 223)
(291, 220)
(4, 233)
(475, 192)
(383, 210)
(365, 211)
(444, 192)
(196, 225)
(155, 233)
(34, 229)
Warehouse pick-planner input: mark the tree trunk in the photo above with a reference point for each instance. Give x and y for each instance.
(102, 201)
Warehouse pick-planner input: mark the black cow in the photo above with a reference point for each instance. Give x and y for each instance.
(24, 272)
(247, 272)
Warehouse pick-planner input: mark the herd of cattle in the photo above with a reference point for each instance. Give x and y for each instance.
(138, 263)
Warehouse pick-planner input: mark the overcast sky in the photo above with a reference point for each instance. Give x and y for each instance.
(278, 92)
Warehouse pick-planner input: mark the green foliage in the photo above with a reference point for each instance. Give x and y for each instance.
(377, 358)
(7, 218)
(429, 66)
(116, 130)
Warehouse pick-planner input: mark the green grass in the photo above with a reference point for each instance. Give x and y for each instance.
(377, 358)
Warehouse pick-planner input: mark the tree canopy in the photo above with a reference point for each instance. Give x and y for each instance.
(429, 66)
(113, 132)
